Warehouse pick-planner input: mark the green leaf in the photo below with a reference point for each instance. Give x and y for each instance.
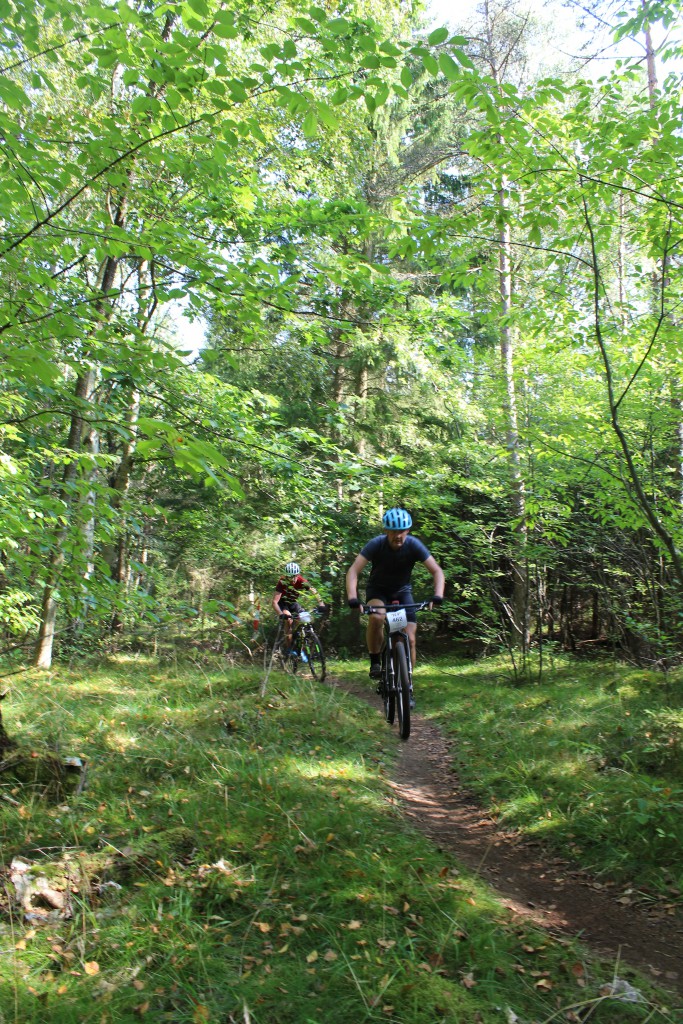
(406, 78)
(339, 26)
(310, 125)
(449, 67)
(367, 43)
(390, 49)
(464, 59)
(237, 91)
(370, 61)
(328, 118)
(224, 25)
(305, 25)
(440, 35)
(431, 65)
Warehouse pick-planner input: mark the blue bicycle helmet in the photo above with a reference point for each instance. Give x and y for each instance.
(397, 519)
(292, 569)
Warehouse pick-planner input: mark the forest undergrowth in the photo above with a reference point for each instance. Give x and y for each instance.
(176, 847)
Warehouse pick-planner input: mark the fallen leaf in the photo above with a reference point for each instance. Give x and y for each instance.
(91, 967)
(330, 955)
(354, 925)
(468, 980)
(262, 926)
(312, 957)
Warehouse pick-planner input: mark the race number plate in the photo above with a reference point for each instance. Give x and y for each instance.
(397, 620)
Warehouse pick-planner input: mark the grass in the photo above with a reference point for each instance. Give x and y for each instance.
(240, 859)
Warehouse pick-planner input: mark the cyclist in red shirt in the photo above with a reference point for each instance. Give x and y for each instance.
(289, 589)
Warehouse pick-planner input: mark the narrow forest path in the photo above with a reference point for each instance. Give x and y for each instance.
(547, 890)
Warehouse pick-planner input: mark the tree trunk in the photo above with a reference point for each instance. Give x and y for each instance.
(520, 595)
(83, 399)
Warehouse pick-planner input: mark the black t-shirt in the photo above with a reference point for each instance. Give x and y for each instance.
(391, 570)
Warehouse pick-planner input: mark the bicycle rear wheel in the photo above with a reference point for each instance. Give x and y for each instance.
(388, 692)
(402, 691)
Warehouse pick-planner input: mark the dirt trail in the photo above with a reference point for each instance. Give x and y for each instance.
(548, 891)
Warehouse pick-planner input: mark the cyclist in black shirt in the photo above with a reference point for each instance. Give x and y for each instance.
(392, 556)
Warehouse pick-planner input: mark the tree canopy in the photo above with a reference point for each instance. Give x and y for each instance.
(429, 277)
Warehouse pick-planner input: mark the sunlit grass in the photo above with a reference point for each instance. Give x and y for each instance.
(241, 858)
(590, 759)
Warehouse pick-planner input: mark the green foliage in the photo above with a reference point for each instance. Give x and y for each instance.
(325, 191)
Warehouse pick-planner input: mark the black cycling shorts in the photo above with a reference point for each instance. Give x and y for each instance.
(290, 606)
(404, 596)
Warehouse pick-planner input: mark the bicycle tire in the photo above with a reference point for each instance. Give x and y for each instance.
(294, 654)
(402, 691)
(316, 656)
(388, 693)
(288, 662)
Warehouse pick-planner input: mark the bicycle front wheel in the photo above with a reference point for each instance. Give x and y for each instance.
(402, 691)
(282, 653)
(313, 650)
(295, 650)
(388, 692)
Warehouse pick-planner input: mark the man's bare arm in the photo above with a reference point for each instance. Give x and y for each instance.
(352, 575)
(437, 575)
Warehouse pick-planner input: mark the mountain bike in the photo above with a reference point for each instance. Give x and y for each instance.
(304, 649)
(395, 684)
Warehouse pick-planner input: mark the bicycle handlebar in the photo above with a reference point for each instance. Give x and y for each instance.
(295, 615)
(370, 609)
